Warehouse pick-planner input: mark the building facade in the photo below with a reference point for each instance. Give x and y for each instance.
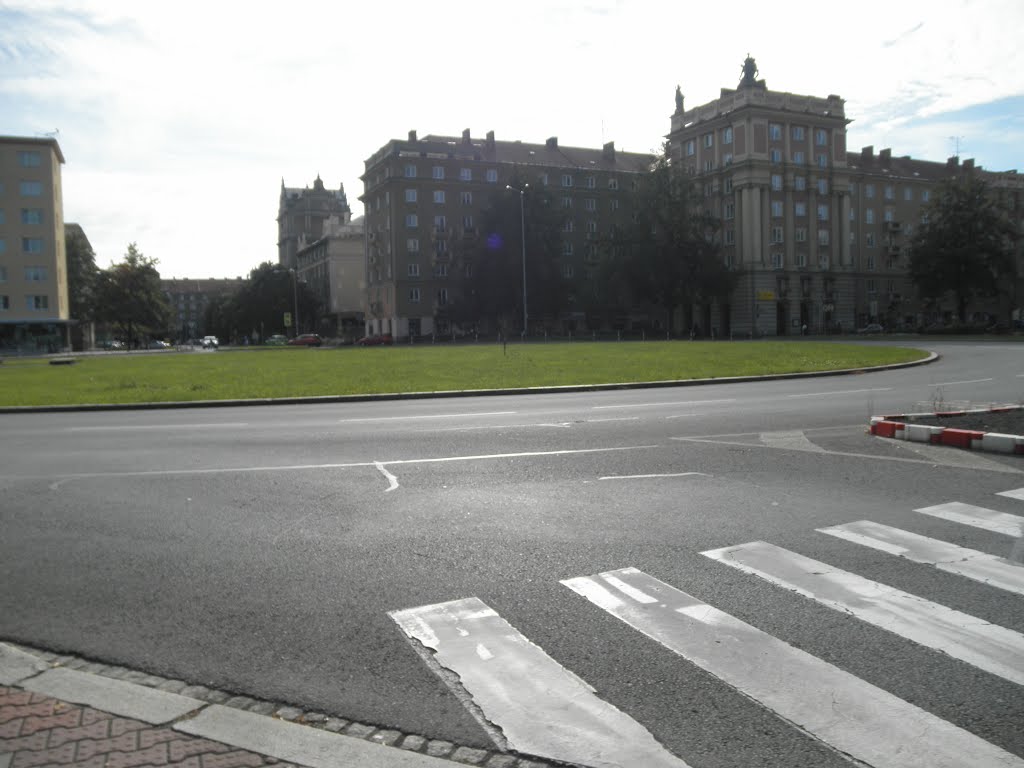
(820, 236)
(334, 268)
(189, 299)
(301, 214)
(34, 307)
(424, 199)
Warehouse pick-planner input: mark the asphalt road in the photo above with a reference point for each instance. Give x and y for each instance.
(261, 549)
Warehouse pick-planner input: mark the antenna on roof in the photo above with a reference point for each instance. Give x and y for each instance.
(956, 144)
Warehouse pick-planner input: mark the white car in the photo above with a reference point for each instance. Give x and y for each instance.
(210, 342)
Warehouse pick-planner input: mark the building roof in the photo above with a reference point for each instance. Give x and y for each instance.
(908, 168)
(42, 140)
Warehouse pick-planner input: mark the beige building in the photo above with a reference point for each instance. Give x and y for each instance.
(34, 313)
(301, 215)
(334, 268)
(189, 299)
(819, 235)
(424, 198)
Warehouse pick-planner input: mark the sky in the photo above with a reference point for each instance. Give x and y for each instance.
(179, 120)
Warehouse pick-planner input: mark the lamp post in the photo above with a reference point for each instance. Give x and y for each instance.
(295, 296)
(522, 227)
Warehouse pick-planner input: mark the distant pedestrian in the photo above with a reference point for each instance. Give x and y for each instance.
(803, 329)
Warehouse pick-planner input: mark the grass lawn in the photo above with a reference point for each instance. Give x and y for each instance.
(171, 376)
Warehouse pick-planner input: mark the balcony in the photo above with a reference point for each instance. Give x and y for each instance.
(892, 226)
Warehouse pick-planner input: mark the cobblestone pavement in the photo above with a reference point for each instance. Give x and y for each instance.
(39, 732)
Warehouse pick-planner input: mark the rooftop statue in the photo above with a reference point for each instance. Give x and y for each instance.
(679, 100)
(749, 71)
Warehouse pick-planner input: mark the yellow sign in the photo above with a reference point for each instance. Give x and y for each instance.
(287, 319)
(766, 295)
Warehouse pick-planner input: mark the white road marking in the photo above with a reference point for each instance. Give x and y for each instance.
(152, 427)
(645, 477)
(539, 706)
(1016, 493)
(952, 383)
(657, 405)
(843, 711)
(989, 569)
(943, 454)
(843, 392)
(794, 440)
(987, 646)
(977, 517)
(531, 425)
(617, 418)
(430, 416)
(392, 480)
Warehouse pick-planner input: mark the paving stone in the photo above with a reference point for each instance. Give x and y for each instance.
(532, 764)
(335, 724)
(34, 743)
(97, 730)
(216, 697)
(184, 747)
(470, 756)
(438, 748)
(119, 725)
(195, 691)
(151, 736)
(501, 761)
(413, 743)
(172, 686)
(386, 737)
(69, 718)
(77, 664)
(236, 759)
(126, 742)
(155, 755)
(314, 718)
(62, 755)
(263, 708)
(239, 702)
(288, 713)
(10, 729)
(359, 730)
(118, 673)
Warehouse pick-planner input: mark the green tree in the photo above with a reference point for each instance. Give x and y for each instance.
(83, 276)
(129, 297)
(487, 270)
(668, 255)
(966, 247)
(259, 306)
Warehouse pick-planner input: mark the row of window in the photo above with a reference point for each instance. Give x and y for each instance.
(28, 188)
(32, 302)
(415, 294)
(28, 245)
(799, 158)
(28, 216)
(774, 133)
(33, 274)
(438, 172)
(889, 192)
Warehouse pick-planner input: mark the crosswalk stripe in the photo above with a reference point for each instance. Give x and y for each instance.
(980, 566)
(1016, 493)
(987, 646)
(978, 517)
(540, 707)
(843, 711)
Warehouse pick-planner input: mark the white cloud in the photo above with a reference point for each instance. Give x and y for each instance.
(179, 120)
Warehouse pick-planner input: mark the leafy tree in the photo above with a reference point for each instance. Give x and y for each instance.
(128, 296)
(668, 255)
(259, 306)
(487, 273)
(83, 273)
(966, 248)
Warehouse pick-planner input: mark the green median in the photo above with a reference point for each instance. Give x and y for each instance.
(119, 377)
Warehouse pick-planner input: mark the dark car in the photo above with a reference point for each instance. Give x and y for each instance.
(375, 341)
(871, 328)
(306, 340)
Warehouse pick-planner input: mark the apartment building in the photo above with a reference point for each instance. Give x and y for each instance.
(334, 268)
(424, 198)
(301, 214)
(189, 299)
(34, 312)
(819, 235)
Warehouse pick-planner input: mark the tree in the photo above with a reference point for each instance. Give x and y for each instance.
(966, 247)
(487, 273)
(259, 306)
(83, 276)
(128, 295)
(669, 255)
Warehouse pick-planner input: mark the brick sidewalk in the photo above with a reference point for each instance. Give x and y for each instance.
(38, 732)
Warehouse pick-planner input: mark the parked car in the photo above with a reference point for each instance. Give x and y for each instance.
(210, 342)
(276, 340)
(158, 344)
(306, 340)
(375, 341)
(871, 328)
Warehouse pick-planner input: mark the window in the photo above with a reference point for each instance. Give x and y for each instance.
(799, 158)
(774, 131)
(691, 148)
(799, 183)
(37, 302)
(729, 210)
(871, 286)
(543, 179)
(889, 215)
(889, 192)
(777, 235)
(442, 296)
(410, 171)
(822, 213)
(801, 257)
(440, 225)
(853, 214)
(567, 271)
(437, 172)
(412, 245)
(411, 220)
(823, 259)
(869, 215)
(414, 295)
(410, 195)
(29, 216)
(5, 303)
(413, 270)
(613, 183)
(465, 174)
(569, 226)
(727, 186)
(32, 245)
(727, 135)
(441, 270)
(566, 179)
(908, 194)
(467, 223)
(800, 209)
(709, 165)
(492, 175)
(800, 234)
(775, 155)
(730, 236)
(823, 161)
(591, 182)
(869, 191)
(853, 239)
(822, 186)
(30, 188)
(821, 137)
(727, 159)
(566, 203)
(869, 241)
(798, 133)
(590, 204)
(613, 205)
(709, 140)
(591, 227)
(776, 182)
(776, 260)
(822, 237)
(777, 209)
(567, 249)
(438, 195)
(29, 159)
(926, 195)
(466, 197)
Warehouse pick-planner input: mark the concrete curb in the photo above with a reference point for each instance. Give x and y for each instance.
(903, 427)
(932, 357)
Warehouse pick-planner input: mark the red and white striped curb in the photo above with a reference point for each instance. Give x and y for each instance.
(901, 427)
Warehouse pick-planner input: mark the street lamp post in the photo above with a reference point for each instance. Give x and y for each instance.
(522, 228)
(295, 296)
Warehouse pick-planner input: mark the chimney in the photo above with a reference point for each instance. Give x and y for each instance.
(953, 162)
(490, 139)
(969, 164)
(886, 157)
(608, 151)
(552, 143)
(412, 135)
(465, 136)
(867, 153)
